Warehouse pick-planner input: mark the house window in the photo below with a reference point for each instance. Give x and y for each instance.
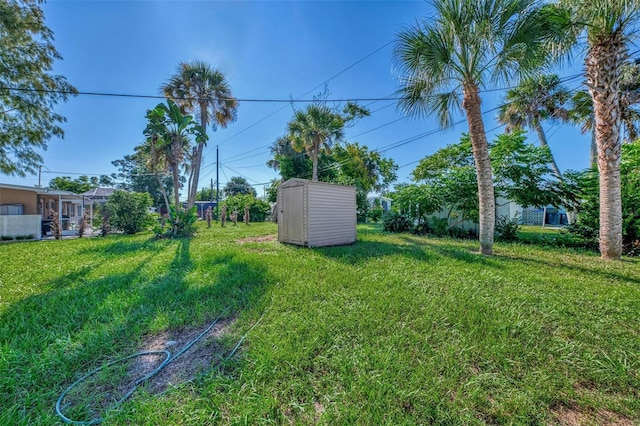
(11, 209)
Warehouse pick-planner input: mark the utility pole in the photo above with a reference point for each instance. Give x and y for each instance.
(39, 176)
(217, 183)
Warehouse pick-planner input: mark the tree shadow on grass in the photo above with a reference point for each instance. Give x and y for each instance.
(50, 339)
(363, 250)
(597, 268)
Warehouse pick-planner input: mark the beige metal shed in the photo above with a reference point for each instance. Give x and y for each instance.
(316, 214)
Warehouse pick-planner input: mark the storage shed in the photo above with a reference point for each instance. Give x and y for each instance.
(316, 214)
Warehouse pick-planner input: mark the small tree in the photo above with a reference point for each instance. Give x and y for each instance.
(55, 227)
(129, 211)
(82, 226)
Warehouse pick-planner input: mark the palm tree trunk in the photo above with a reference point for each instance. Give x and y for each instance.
(164, 192)
(603, 63)
(543, 143)
(486, 197)
(197, 158)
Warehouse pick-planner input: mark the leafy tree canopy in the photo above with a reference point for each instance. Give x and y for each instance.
(82, 184)
(135, 176)
(238, 186)
(28, 89)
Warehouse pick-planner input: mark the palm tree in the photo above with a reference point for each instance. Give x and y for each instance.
(534, 100)
(203, 90)
(608, 25)
(170, 132)
(465, 46)
(315, 129)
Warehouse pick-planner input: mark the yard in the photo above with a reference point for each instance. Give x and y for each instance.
(396, 329)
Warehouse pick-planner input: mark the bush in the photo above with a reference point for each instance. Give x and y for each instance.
(129, 211)
(507, 229)
(258, 209)
(396, 222)
(6, 238)
(375, 214)
(184, 222)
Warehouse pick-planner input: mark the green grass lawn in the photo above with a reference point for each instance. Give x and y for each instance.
(395, 329)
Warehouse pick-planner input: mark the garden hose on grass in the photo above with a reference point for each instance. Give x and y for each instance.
(169, 358)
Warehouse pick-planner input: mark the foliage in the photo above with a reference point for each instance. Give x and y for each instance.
(507, 228)
(587, 187)
(168, 132)
(137, 175)
(272, 190)
(374, 214)
(521, 174)
(29, 91)
(84, 223)
(81, 184)
(183, 221)
(206, 194)
(367, 170)
(203, 90)
(393, 221)
(258, 209)
(55, 226)
(129, 211)
(238, 185)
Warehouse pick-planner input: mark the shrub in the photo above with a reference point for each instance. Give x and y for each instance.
(375, 214)
(56, 229)
(396, 222)
(258, 209)
(6, 238)
(506, 228)
(82, 226)
(184, 222)
(439, 226)
(129, 211)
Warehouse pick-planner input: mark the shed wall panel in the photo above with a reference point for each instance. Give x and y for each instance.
(332, 215)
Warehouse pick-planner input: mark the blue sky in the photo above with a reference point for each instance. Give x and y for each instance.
(267, 50)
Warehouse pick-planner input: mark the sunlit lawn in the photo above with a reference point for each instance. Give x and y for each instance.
(396, 329)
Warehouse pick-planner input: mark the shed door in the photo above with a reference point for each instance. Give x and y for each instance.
(292, 211)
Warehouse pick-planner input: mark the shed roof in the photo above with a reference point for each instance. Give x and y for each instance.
(302, 182)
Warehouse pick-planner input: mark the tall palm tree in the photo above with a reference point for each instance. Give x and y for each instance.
(608, 25)
(533, 101)
(204, 91)
(466, 46)
(170, 132)
(315, 129)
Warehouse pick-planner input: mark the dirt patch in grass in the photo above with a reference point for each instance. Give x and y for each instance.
(90, 398)
(575, 416)
(260, 239)
(198, 358)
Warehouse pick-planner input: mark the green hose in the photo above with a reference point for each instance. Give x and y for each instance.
(169, 358)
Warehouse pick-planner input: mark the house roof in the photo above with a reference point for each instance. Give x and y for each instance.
(37, 190)
(100, 192)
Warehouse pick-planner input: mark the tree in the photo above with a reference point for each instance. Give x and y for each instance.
(465, 46)
(129, 211)
(608, 25)
(238, 186)
(294, 164)
(533, 101)
(201, 89)
(171, 130)
(136, 177)
(448, 179)
(81, 184)
(206, 194)
(315, 130)
(28, 90)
